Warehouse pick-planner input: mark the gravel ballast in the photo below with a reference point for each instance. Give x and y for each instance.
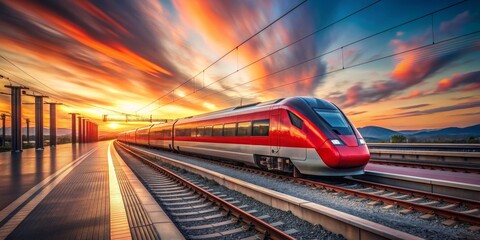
(410, 223)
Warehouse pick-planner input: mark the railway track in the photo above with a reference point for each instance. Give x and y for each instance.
(201, 214)
(426, 166)
(453, 209)
(309, 216)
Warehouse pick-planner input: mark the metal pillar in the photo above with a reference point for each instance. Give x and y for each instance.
(89, 131)
(89, 124)
(83, 130)
(3, 116)
(96, 133)
(74, 128)
(53, 124)
(28, 130)
(80, 139)
(39, 122)
(16, 102)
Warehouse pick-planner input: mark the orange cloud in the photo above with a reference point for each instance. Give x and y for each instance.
(470, 81)
(94, 11)
(471, 87)
(413, 94)
(118, 51)
(224, 34)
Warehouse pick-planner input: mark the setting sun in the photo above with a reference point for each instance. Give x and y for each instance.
(113, 125)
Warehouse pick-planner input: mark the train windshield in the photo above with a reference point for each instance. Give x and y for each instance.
(336, 120)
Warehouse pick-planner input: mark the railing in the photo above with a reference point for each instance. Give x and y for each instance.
(453, 158)
(444, 147)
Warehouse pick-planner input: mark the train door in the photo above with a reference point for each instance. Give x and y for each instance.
(275, 131)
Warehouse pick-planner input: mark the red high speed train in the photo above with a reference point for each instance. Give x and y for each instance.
(298, 134)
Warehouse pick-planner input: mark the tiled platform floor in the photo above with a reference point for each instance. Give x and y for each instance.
(71, 192)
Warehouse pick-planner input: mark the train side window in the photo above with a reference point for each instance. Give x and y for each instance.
(193, 132)
(183, 132)
(200, 131)
(217, 130)
(230, 129)
(168, 133)
(208, 131)
(295, 120)
(261, 127)
(244, 129)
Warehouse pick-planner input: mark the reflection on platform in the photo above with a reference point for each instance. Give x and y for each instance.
(19, 172)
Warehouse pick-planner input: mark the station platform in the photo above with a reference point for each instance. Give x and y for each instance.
(82, 191)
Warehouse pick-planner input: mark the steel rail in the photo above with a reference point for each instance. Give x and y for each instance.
(266, 229)
(405, 203)
(450, 214)
(416, 193)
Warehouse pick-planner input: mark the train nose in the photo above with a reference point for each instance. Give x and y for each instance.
(344, 156)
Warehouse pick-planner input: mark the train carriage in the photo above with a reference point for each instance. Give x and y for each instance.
(142, 136)
(161, 135)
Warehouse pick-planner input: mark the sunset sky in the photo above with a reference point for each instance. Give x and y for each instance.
(396, 64)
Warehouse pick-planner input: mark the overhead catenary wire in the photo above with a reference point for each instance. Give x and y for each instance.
(233, 49)
(420, 48)
(26, 73)
(315, 57)
(54, 96)
(264, 57)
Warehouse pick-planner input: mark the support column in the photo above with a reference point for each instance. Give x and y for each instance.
(90, 133)
(84, 130)
(74, 128)
(16, 102)
(39, 122)
(3, 116)
(80, 139)
(53, 124)
(89, 129)
(28, 131)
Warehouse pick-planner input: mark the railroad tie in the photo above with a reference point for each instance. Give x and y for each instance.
(388, 194)
(450, 206)
(414, 199)
(471, 211)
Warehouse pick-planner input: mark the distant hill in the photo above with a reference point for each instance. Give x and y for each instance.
(379, 134)
(376, 133)
(452, 131)
(411, 132)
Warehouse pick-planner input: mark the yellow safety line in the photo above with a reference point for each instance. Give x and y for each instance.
(119, 228)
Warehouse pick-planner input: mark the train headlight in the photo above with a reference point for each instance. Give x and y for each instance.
(361, 141)
(336, 142)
